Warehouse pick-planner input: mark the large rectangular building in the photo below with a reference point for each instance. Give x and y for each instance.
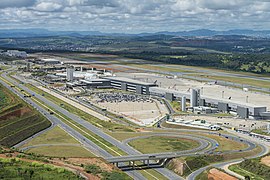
(243, 110)
(96, 83)
(131, 85)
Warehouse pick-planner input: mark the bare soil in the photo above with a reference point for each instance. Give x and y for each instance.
(17, 113)
(215, 174)
(71, 164)
(88, 161)
(266, 161)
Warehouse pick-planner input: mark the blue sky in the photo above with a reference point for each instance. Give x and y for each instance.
(133, 16)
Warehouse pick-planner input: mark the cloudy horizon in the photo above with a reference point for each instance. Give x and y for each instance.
(134, 16)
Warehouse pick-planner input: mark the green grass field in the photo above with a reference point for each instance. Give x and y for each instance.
(203, 175)
(61, 151)
(160, 68)
(19, 170)
(125, 135)
(93, 120)
(252, 82)
(226, 144)
(163, 144)
(99, 141)
(84, 131)
(261, 131)
(53, 136)
(176, 106)
(236, 168)
(4, 67)
(56, 137)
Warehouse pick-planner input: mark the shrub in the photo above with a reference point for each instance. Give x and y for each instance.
(114, 175)
(256, 168)
(60, 170)
(93, 169)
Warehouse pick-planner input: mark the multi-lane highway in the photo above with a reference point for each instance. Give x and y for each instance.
(165, 172)
(56, 121)
(206, 144)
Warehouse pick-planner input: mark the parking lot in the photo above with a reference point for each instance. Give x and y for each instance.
(139, 109)
(119, 97)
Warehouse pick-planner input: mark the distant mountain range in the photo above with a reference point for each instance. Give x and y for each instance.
(22, 33)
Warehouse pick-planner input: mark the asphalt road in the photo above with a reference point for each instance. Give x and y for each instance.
(89, 144)
(165, 172)
(55, 121)
(222, 165)
(129, 150)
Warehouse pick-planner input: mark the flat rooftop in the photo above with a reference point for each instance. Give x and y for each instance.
(89, 81)
(49, 60)
(233, 103)
(128, 80)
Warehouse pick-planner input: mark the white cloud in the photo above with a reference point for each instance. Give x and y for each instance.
(135, 15)
(48, 6)
(16, 3)
(222, 4)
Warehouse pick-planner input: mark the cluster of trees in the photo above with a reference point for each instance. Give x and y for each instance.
(256, 63)
(256, 168)
(94, 169)
(13, 168)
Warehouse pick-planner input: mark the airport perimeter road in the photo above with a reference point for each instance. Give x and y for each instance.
(165, 172)
(56, 121)
(224, 165)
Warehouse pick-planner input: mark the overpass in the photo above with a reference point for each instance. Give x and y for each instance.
(139, 161)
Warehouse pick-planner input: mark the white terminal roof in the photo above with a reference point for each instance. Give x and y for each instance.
(79, 74)
(50, 60)
(89, 81)
(176, 93)
(127, 80)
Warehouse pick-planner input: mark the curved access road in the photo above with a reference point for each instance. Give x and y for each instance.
(224, 165)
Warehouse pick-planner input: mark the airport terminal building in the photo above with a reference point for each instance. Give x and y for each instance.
(131, 85)
(198, 103)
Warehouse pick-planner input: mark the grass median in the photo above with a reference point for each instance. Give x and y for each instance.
(103, 143)
(88, 134)
(111, 126)
(84, 131)
(159, 144)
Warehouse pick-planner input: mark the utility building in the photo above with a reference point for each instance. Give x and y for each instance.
(195, 97)
(183, 103)
(70, 71)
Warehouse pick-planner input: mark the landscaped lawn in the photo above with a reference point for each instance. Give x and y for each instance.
(158, 144)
